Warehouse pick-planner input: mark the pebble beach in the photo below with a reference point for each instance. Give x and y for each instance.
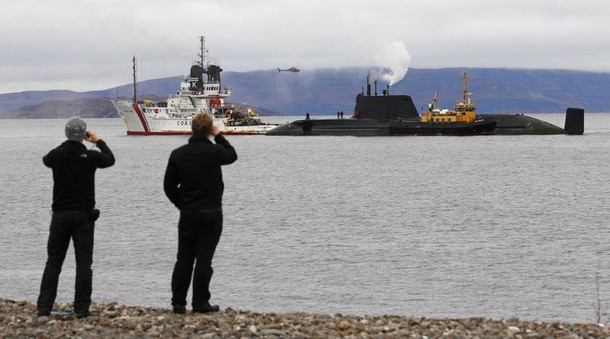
(18, 319)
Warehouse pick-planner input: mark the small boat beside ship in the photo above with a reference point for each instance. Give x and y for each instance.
(462, 120)
(200, 92)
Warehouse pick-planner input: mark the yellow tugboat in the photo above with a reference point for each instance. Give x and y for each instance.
(462, 120)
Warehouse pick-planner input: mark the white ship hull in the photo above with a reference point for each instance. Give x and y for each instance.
(140, 120)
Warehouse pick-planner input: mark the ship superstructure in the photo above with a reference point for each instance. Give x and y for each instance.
(200, 92)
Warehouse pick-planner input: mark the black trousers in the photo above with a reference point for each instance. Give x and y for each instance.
(198, 236)
(65, 226)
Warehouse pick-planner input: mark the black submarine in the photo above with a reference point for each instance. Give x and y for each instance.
(388, 114)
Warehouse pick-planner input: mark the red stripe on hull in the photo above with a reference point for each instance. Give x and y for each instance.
(136, 108)
(243, 133)
(186, 133)
(159, 133)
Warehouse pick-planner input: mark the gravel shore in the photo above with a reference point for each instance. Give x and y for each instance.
(18, 319)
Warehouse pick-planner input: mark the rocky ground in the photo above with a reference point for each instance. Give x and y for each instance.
(18, 319)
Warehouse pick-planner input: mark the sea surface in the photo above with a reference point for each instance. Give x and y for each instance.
(491, 226)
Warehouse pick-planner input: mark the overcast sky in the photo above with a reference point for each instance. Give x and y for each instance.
(86, 45)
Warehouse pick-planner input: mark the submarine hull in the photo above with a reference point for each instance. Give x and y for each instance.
(519, 124)
(355, 127)
(440, 128)
(505, 124)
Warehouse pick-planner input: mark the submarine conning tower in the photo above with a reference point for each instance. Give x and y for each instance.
(383, 106)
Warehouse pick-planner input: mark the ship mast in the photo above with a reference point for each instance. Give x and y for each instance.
(465, 95)
(465, 105)
(135, 96)
(203, 52)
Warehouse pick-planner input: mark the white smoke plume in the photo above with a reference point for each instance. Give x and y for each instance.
(394, 58)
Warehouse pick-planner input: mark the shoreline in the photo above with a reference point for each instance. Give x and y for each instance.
(19, 319)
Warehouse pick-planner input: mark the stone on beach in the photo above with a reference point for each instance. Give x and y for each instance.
(19, 319)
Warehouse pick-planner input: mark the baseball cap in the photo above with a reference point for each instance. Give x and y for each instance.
(76, 129)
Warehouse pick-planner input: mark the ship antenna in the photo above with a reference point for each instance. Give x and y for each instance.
(368, 83)
(202, 52)
(135, 95)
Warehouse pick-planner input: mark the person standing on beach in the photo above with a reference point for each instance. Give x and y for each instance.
(193, 182)
(74, 213)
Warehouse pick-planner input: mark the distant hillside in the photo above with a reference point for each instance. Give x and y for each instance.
(326, 91)
(85, 108)
(512, 91)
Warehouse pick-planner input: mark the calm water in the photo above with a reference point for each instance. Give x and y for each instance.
(495, 226)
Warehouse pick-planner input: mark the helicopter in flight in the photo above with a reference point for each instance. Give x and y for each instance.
(291, 69)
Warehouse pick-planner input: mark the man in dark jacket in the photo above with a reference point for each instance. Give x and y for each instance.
(74, 213)
(193, 182)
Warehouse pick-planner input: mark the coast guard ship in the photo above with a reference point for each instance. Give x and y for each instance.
(200, 92)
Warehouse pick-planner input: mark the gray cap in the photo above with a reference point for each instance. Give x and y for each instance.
(76, 129)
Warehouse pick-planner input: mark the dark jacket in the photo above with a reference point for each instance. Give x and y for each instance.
(74, 174)
(193, 178)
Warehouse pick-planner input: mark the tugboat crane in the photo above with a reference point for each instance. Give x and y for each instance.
(434, 100)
